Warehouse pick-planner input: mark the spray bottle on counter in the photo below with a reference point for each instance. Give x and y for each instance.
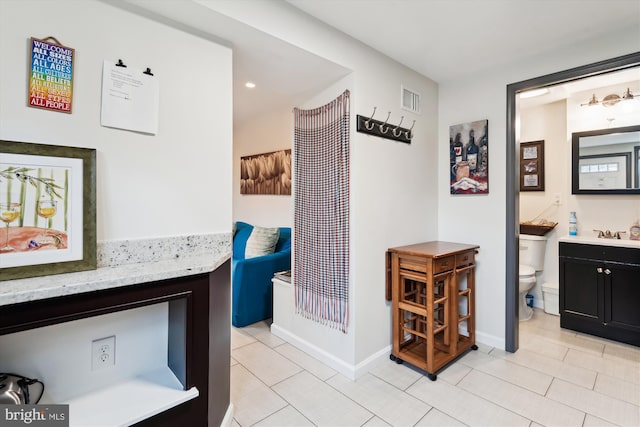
(573, 224)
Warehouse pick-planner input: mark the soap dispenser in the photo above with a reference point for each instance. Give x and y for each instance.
(573, 224)
(634, 231)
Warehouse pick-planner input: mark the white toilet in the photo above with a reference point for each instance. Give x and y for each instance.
(531, 260)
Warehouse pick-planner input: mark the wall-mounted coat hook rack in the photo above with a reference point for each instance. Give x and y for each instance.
(374, 127)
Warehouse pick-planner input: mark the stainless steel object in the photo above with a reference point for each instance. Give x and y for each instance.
(14, 389)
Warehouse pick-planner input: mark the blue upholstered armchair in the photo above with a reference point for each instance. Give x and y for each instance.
(252, 294)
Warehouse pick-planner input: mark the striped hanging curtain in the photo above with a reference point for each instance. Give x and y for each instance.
(321, 220)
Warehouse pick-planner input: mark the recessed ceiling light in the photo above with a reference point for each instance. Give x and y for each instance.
(535, 92)
(250, 85)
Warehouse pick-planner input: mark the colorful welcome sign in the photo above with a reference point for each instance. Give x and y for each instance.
(51, 81)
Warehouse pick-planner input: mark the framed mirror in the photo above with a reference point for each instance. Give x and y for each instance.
(606, 161)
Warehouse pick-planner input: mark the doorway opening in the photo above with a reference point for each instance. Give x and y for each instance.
(512, 178)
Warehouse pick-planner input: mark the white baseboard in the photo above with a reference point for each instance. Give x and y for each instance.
(372, 361)
(349, 370)
(490, 340)
(228, 417)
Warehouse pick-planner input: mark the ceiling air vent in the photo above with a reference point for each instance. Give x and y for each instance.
(410, 100)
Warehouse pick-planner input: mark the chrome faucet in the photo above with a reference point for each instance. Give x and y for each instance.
(608, 235)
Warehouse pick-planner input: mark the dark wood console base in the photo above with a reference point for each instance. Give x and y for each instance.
(199, 334)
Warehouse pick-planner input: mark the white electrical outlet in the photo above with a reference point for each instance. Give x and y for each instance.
(557, 199)
(103, 353)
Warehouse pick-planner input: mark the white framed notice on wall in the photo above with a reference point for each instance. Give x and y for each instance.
(130, 98)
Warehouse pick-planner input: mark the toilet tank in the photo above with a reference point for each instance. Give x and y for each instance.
(532, 250)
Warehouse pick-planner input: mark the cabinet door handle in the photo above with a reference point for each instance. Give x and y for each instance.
(599, 269)
(607, 271)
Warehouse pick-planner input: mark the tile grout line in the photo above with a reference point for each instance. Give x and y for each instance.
(302, 369)
(585, 351)
(278, 394)
(362, 406)
(393, 385)
(588, 370)
(441, 411)
(513, 411)
(500, 379)
(589, 413)
(267, 386)
(509, 381)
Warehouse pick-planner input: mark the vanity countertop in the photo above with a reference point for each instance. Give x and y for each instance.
(592, 240)
(37, 288)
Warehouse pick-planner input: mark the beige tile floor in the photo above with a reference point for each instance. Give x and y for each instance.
(557, 378)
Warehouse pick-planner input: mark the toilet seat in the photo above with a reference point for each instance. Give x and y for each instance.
(526, 281)
(526, 277)
(526, 271)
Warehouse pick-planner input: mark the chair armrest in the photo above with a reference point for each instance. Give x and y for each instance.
(252, 286)
(261, 267)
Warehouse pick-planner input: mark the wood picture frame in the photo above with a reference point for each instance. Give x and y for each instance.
(266, 173)
(469, 158)
(51, 75)
(47, 208)
(532, 166)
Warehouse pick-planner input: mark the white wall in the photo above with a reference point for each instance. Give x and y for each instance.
(60, 355)
(177, 182)
(331, 345)
(272, 131)
(548, 123)
(603, 212)
(174, 183)
(393, 195)
(393, 192)
(554, 123)
(481, 219)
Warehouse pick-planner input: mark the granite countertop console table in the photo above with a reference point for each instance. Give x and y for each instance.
(127, 262)
(189, 276)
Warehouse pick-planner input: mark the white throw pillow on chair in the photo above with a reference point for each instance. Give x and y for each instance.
(262, 241)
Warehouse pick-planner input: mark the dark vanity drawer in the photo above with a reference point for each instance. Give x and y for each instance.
(597, 252)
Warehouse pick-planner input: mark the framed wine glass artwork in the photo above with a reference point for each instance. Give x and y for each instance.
(47, 209)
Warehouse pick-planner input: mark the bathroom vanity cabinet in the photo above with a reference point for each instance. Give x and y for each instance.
(600, 290)
(432, 289)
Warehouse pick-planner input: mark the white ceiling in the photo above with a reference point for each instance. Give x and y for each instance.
(454, 39)
(441, 39)
(580, 91)
(284, 75)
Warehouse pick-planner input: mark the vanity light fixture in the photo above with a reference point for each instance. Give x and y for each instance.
(593, 101)
(534, 92)
(610, 100)
(250, 85)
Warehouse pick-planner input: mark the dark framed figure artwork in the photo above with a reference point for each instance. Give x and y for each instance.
(532, 166)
